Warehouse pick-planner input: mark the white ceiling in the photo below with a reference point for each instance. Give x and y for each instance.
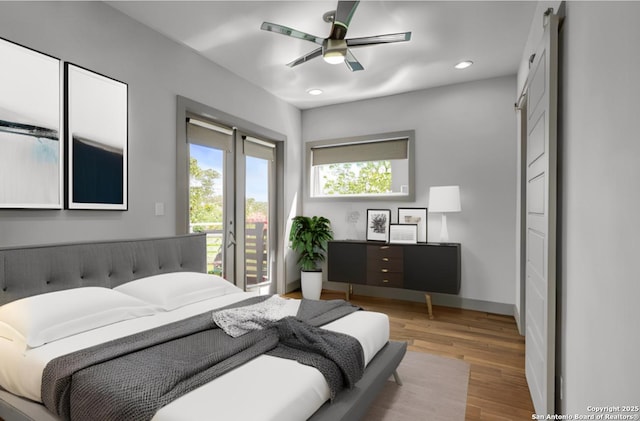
(491, 33)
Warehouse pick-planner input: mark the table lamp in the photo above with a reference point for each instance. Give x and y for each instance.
(444, 199)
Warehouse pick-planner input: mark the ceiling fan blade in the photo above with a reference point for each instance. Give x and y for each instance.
(342, 18)
(379, 39)
(315, 53)
(280, 29)
(352, 63)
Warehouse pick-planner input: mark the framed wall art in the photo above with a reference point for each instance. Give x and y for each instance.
(403, 233)
(97, 139)
(417, 216)
(378, 221)
(31, 147)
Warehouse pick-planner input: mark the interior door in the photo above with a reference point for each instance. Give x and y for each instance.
(541, 220)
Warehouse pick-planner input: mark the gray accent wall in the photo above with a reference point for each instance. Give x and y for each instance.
(102, 39)
(464, 134)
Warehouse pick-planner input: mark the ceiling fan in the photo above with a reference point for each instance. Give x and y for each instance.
(335, 48)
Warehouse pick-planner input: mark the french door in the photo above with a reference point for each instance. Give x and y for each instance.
(231, 198)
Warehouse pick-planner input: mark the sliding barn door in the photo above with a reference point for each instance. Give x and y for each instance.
(541, 220)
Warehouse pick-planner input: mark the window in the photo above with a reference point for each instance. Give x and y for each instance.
(375, 166)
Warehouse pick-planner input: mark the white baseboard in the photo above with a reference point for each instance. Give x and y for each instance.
(516, 315)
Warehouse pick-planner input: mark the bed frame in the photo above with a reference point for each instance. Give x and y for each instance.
(32, 270)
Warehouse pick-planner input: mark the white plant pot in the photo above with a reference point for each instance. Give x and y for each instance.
(311, 285)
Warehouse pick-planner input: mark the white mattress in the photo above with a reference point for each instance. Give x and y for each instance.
(266, 388)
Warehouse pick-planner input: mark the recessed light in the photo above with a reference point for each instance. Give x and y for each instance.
(463, 64)
(314, 91)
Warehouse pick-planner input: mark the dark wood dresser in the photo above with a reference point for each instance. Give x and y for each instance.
(429, 267)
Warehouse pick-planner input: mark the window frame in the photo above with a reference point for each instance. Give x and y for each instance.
(378, 137)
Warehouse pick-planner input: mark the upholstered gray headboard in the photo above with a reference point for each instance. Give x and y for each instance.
(31, 270)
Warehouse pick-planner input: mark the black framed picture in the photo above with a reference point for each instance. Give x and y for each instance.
(96, 128)
(417, 216)
(31, 148)
(378, 221)
(403, 233)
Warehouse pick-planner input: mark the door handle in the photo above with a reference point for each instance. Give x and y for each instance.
(232, 239)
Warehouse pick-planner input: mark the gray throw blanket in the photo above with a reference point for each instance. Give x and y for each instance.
(133, 377)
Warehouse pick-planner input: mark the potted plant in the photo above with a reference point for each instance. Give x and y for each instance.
(309, 237)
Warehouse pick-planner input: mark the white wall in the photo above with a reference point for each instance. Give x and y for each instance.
(465, 135)
(600, 229)
(100, 38)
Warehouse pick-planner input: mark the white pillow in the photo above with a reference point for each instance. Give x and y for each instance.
(177, 289)
(34, 321)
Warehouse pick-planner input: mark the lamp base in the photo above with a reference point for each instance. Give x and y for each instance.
(444, 232)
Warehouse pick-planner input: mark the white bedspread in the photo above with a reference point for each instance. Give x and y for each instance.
(266, 388)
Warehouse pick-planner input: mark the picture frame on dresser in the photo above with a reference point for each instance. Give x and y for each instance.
(378, 221)
(31, 150)
(96, 128)
(403, 233)
(416, 216)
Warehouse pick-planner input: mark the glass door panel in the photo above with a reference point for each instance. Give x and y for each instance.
(258, 204)
(257, 221)
(206, 201)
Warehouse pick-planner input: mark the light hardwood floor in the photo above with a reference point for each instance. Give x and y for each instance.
(490, 343)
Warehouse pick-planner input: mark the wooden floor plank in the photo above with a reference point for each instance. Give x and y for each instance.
(489, 342)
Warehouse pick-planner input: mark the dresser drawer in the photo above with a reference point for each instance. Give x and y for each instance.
(385, 258)
(384, 251)
(385, 264)
(392, 279)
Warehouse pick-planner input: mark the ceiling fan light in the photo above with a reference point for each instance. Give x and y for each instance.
(463, 64)
(334, 50)
(333, 57)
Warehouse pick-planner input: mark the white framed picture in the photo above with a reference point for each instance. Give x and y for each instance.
(417, 216)
(403, 233)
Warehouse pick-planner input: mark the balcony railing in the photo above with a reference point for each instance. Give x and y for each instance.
(256, 265)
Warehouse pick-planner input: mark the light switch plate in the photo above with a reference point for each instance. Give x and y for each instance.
(159, 209)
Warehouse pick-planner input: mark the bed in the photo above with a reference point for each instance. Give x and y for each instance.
(275, 388)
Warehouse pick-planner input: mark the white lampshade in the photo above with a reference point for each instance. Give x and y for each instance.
(444, 199)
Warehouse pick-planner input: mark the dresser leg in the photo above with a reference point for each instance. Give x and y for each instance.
(429, 306)
(349, 291)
